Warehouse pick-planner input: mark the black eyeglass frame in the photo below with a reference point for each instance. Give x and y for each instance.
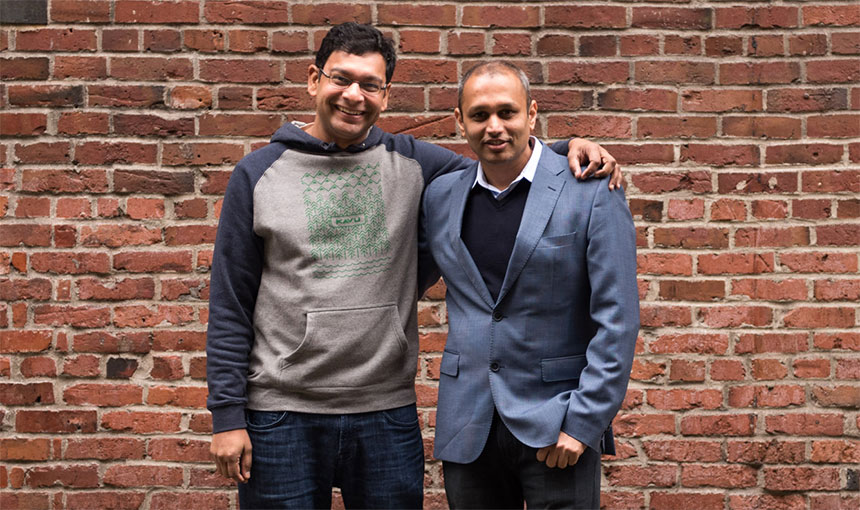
(379, 89)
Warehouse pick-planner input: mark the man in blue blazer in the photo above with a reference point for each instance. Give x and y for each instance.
(543, 309)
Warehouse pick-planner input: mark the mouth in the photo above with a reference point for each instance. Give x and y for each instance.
(347, 111)
(496, 144)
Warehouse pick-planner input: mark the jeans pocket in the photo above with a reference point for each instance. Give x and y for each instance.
(403, 417)
(263, 420)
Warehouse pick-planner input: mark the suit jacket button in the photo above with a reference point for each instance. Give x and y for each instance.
(497, 316)
(494, 366)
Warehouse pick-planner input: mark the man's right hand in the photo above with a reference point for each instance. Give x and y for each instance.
(231, 451)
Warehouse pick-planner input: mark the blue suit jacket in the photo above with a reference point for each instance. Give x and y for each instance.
(554, 351)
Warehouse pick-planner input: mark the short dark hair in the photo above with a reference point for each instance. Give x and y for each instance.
(494, 67)
(357, 39)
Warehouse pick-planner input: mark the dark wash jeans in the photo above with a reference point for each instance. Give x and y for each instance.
(507, 473)
(377, 459)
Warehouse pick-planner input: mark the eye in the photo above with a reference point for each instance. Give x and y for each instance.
(507, 114)
(479, 116)
(370, 87)
(341, 81)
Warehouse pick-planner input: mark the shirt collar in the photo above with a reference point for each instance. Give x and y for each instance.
(528, 172)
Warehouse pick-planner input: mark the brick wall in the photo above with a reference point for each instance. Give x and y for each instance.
(738, 125)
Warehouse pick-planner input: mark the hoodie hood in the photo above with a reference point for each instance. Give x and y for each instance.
(293, 136)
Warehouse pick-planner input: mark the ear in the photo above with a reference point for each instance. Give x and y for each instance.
(458, 116)
(313, 80)
(532, 114)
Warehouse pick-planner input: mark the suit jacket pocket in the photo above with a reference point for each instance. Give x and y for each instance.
(562, 369)
(450, 363)
(557, 241)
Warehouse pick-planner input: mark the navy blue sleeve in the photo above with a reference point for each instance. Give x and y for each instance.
(237, 265)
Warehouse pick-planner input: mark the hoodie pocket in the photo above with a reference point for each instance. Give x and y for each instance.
(347, 348)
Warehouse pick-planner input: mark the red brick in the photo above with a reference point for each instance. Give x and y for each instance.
(290, 42)
(70, 263)
(690, 343)
(179, 450)
(719, 425)
(702, 290)
(682, 399)
(806, 100)
(82, 366)
(770, 209)
(736, 316)
(140, 11)
(14, 68)
(23, 124)
(46, 95)
(177, 396)
(25, 235)
(766, 396)
(805, 424)
(660, 182)
(722, 100)
(641, 476)
(676, 127)
(682, 45)
(726, 209)
(837, 290)
(844, 451)
(73, 476)
(144, 208)
(664, 263)
(12, 394)
(668, 500)
(162, 41)
(848, 208)
(779, 237)
(586, 16)
(55, 422)
(416, 14)
(727, 477)
(846, 43)
(691, 237)
(38, 366)
(639, 45)
(801, 479)
(17, 449)
(833, 502)
(191, 500)
(103, 395)
(419, 41)
(239, 71)
(53, 39)
(721, 155)
(665, 316)
(727, 370)
(762, 127)
(81, 11)
(87, 68)
(833, 71)
(143, 476)
(561, 72)
(167, 368)
(820, 317)
(757, 343)
(151, 68)
(683, 370)
(834, 15)
(116, 290)
(833, 126)
(512, 44)
(18, 289)
(817, 262)
(759, 182)
(766, 452)
(32, 207)
(25, 341)
(500, 16)
(837, 396)
(675, 72)
(86, 500)
(139, 422)
(639, 100)
(682, 451)
(330, 13)
(19, 500)
(564, 126)
(756, 17)
(118, 235)
(144, 262)
(239, 124)
(723, 46)
(678, 18)
(831, 181)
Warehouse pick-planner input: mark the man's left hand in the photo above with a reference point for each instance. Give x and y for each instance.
(600, 162)
(564, 453)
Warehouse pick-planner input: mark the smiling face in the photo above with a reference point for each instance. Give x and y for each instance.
(345, 115)
(497, 120)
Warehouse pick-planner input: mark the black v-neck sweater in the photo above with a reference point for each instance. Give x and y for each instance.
(490, 229)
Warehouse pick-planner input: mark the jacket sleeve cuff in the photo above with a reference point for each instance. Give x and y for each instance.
(228, 418)
(585, 433)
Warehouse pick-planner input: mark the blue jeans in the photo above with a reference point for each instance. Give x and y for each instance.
(377, 459)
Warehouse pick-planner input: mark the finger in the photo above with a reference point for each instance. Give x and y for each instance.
(542, 453)
(592, 167)
(606, 168)
(562, 461)
(577, 169)
(246, 465)
(233, 469)
(617, 179)
(552, 458)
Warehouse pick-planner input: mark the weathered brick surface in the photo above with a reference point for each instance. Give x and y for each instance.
(736, 123)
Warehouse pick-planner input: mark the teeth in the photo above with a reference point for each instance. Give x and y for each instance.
(348, 112)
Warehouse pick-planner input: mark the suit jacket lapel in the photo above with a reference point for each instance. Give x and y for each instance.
(543, 195)
(455, 226)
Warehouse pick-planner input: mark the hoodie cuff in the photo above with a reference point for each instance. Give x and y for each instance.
(228, 418)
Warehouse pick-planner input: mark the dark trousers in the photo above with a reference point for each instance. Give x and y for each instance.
(507, 473)
(377, 460)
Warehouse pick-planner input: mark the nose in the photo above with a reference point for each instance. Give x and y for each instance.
(494, 124)
(353, 92)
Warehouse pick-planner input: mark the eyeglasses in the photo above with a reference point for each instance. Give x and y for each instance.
(342, 82)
